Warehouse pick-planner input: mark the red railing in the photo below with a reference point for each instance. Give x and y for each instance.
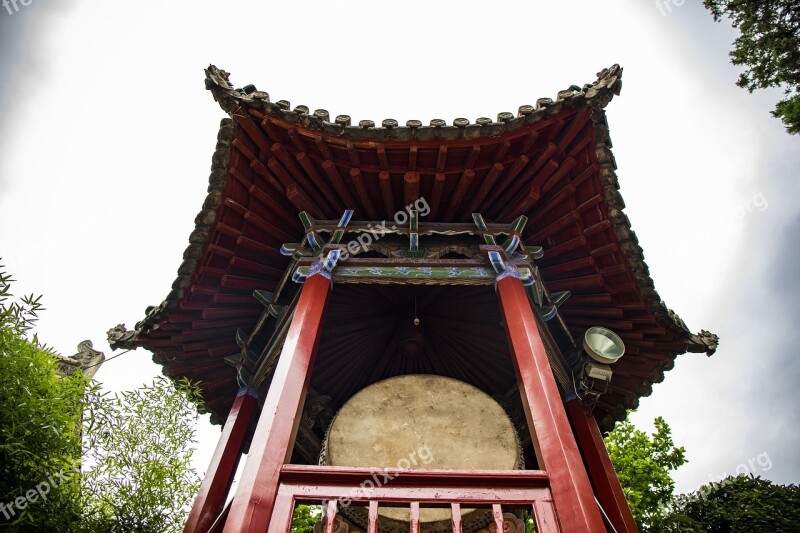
(515, 489)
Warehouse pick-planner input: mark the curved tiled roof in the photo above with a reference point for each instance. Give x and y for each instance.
(557, 151)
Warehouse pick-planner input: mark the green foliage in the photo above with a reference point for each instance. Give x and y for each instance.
(304, 518)
(135, 473)
(769, 48)
(138, 454)
(643, 463)
(39, 420)
(737, 505)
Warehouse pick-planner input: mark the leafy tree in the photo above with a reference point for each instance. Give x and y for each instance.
(138, 453)
(737, 505)
(39, 419)
(769, 48)
(135, 472)
(304, 518)
(643, 463)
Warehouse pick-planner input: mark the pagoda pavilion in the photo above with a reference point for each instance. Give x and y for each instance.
(422, 327)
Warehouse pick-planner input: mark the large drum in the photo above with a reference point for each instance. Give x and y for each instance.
(421, 421)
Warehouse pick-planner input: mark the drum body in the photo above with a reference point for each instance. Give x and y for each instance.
(421, 421)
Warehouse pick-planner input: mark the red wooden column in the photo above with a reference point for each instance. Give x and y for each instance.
(556, 450)
(598, 463)
(252, 505)
(219, 475)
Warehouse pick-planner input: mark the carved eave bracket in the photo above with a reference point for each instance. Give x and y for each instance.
(120, 338)
(703, 342)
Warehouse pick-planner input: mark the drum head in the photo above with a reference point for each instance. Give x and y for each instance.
(422, 421)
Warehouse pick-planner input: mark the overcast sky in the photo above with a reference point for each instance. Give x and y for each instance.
(108, 132)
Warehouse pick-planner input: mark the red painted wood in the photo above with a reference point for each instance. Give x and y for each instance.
(424, 477)
(497, 516)
(316, 179)
(281, 520)
(277, 427)
(386, 190)
(461, 190)
(219, 523)
(414, 517)
(506, 182)
(372, 520)
(330, 517)
(329, 167)
(363, 195)
(601, 471)
(439, 181)
(433, 487)
(486, 187)
(556, 450)
(514, 188)
(220, 472)
(411, 182)
(544, 515)
(455, 511)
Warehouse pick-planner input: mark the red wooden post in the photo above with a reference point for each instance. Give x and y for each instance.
(414, 517)
(277, 426)
(219, 475)
(372, 522)
(330, 517)
(598, 463)
(556, 450)
(455, 513)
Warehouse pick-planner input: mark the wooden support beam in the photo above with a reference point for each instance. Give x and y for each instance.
(578, 122)
(386, 190)
(411, 187)
(441, 160)
(563, 169)
(251, 128)
(486, 187)
(219, 475)
(257, 221)
(275, 433)
(461, 189)
(353, 154)
(270, 202)
(532, 194)
(329, 167)
(383, 161)
(412, 158)
(472, 158)
(439, 181)
(363, 194)
(291, 166)
(261, 170)
(301, 201)
(555, 447)
(509, 196)
(598, 463)
(507, 181)
(315, 177)
(502, 150)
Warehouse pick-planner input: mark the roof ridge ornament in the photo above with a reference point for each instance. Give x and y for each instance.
(608, 84)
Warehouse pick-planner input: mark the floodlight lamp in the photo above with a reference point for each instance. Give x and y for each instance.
(603, 345)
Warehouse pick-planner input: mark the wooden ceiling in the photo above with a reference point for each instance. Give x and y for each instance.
(551, 162)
